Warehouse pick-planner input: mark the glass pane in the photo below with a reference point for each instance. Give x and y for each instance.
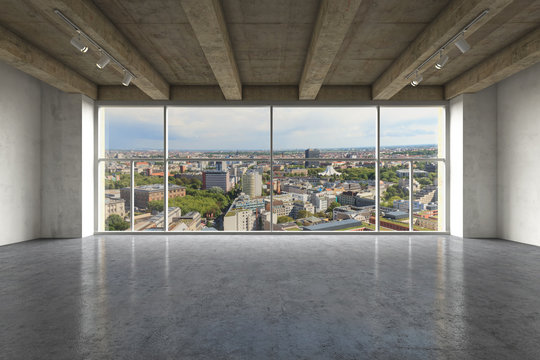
(428, 195)
(219, 132)
(114, 210)
(412, 132)
(337, 196)
(148, 197)
(394, 203)
(324, 132)
(131, 132)
(229, 199)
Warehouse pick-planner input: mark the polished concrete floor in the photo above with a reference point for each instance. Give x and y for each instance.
(269, 297)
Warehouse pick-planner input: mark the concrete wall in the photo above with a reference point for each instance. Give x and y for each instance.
(20, 148)
(67, 164)
(473, 162)
(495, 143)
(47, 157)
(518, 151)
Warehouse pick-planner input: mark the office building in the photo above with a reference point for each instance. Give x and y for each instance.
(312, 153)
(216, 178)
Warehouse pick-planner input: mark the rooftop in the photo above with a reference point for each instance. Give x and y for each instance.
(334, 225)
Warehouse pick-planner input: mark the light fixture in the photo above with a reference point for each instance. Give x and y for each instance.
(417, 79)
(458, 40)
(103, 61)
(443, 59)
(462, 45)
(127, 78)
(78, 44)
(83, 45)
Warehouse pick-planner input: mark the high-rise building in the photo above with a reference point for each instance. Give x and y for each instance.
(252, 183)
(312, 153)
(217, 178)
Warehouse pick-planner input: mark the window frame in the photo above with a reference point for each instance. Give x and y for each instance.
(99, 142)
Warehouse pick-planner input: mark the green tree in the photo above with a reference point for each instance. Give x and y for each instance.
(424, 181)
(216, 190)
(315, 171)
(332, 206)
(284, 219)
(303, 214)
(115, 223)
(395, 191)
(156, 205)
(390, 202)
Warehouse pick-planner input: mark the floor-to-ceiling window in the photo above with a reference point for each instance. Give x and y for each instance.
(271, 168)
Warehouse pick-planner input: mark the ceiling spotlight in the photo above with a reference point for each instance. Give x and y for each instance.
(127, 78)
(78, 44)
(443, 59)
(103, 61)
(462, 45)
(417, 79)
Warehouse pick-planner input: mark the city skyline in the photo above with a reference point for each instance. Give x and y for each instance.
(201, 128)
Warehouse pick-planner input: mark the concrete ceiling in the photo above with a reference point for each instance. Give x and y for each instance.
(268, 40)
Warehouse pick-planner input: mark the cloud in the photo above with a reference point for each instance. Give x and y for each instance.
(248, 128)
(410, 125)
(135, 128)
(219, 128)
(324, 127)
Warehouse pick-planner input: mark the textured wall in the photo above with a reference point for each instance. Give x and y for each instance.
(20, 129)
(65, 158)
(473, 161)
(480, 164)
(518, 150)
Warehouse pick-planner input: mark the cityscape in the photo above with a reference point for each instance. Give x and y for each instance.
(219, 192)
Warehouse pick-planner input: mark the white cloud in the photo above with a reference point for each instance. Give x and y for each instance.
(244, 128)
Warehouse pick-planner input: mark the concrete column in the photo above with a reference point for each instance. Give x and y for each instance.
(67, 185)
(473, 164)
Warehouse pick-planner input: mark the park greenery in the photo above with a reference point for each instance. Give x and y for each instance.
(115, 223)
(331, 207)
(209, 203)
(303, 214)
(284, 219)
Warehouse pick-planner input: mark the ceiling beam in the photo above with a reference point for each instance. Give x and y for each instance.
(94, 23)
(520, 55)
(333, 23)
(207, 21)
(265, 94)
(447, 24)
(26, 57)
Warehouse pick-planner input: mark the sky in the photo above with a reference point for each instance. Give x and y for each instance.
(248, 128)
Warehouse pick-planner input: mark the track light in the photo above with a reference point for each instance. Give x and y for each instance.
(443, 59)
(458, 39)
(417, 79)
(127, 78)
(78, 44)
(462, 45)
(103, 61)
